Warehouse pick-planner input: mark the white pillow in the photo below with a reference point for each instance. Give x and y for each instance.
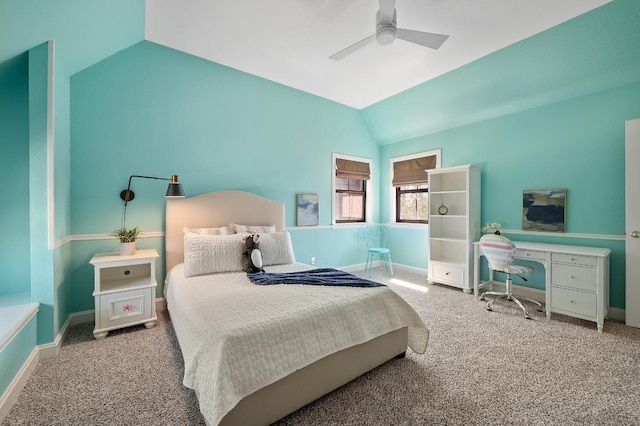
(253, 229)
(223, 230)
(209, 254)
(276, 248)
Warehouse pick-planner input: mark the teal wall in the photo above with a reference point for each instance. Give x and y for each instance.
(151, 110)
(85, 31)
(576, 144)
(14, 168)
(547, 112)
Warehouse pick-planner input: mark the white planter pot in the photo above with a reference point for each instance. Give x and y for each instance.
(127, 249)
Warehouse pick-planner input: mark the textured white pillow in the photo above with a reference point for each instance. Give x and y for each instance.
(209, 254)
(276, 248)
(253, 229)
(223, 230)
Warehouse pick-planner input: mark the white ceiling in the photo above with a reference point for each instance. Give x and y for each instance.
(290, 41)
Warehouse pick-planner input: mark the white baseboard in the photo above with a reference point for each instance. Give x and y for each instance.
(518, 290)
(396, 266)
(82, 317)
(617, 314)
(357, 267)
(10, 395)
(161, 303)
(51, 350)
(412, 269)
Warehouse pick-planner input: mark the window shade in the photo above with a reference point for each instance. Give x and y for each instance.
(412, 172)
(349, 169)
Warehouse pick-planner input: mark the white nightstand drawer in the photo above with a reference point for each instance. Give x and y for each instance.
(530, 254)
(447, 273)
(578, 277)
(125, 307)
(573, 259)
(576, 302)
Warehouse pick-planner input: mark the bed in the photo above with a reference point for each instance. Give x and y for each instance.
(254, 354)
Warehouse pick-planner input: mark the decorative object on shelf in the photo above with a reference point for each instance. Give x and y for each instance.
(442, 210)
(174, 190)
(127, 237)
(307, 209)
(544, 210)
(492, 227)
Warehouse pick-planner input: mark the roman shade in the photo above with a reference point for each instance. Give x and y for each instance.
(413, 171)
(349, 169)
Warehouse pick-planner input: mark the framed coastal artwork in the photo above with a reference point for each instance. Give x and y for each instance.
(307, 208)
(544, 210)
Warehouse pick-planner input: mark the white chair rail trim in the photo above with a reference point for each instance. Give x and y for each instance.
(160, 234)
(564, 235)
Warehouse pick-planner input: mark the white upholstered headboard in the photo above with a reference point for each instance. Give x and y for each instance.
(216, 209)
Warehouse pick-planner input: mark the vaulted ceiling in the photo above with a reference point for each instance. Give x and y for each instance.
(290, 41)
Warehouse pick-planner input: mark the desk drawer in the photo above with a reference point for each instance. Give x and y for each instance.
(447, 273)
(530, 255)
(573, 259)
(572, 301)
(578, 277)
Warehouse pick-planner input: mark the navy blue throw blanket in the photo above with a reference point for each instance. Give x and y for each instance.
(321, 276)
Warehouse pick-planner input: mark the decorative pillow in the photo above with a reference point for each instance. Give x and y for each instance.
(223, 230)
(209, 254)
(253, 229)
(277, 249)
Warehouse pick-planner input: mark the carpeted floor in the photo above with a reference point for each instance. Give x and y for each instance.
(481, 368)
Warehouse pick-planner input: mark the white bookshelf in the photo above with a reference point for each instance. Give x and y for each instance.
(451, 235)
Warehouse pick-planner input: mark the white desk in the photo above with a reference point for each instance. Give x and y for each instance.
(576, 277)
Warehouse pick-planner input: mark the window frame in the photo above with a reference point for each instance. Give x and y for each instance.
(367, 191)
(393, 191)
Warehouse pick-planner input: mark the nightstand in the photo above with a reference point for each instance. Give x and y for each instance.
(124, 290)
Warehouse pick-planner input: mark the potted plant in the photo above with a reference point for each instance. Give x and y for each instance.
(127, 237)
(492, 227)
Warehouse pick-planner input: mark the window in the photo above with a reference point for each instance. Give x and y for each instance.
(351, 196)
(411, 186)
(350, 183)
(412, 203)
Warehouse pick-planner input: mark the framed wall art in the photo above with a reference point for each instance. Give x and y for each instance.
(544, 210)
(307, 208)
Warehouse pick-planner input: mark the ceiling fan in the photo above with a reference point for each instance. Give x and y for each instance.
(387, 31)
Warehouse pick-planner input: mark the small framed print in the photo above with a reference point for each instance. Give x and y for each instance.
(544, 210)
(307, 205)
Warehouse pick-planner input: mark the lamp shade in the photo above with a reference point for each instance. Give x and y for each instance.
(174, 190)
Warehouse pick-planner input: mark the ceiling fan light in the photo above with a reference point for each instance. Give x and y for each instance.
(385, 35)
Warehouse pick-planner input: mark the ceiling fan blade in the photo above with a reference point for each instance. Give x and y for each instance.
(349, 50)
(434, 41)
(387, 8)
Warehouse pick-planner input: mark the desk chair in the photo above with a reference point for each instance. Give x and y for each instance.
(376, 238)
(499, 252)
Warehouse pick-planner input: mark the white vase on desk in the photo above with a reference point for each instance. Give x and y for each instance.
(127, 249)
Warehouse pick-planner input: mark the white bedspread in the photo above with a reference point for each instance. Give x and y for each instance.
(237, 337)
